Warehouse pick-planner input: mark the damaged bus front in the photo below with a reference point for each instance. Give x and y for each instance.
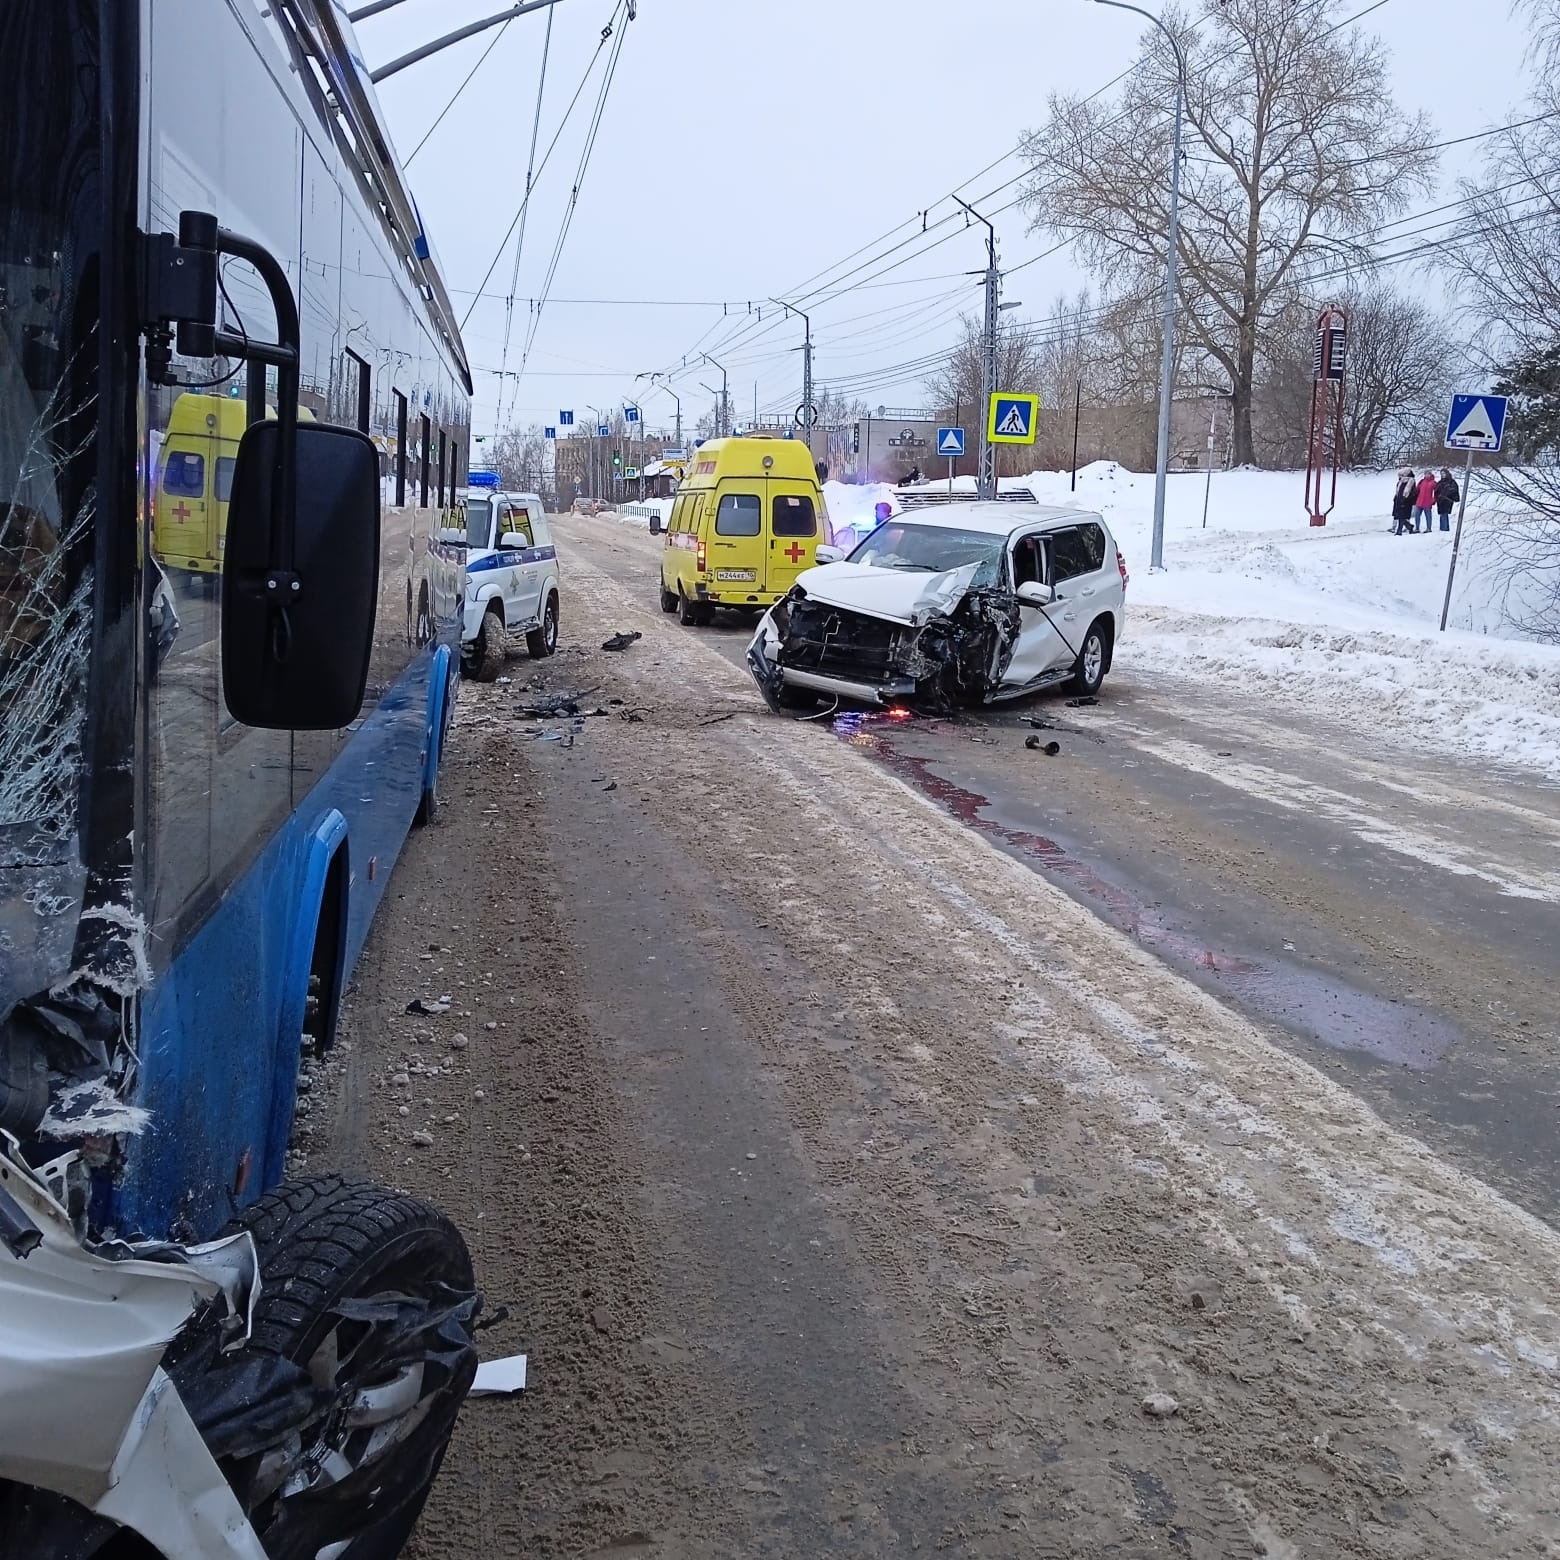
(199, 808)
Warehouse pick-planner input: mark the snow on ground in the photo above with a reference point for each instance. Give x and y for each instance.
(1340, 620)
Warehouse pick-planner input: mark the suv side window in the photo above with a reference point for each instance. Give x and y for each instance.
(539, 533)
(1069, 555)
(740, 514)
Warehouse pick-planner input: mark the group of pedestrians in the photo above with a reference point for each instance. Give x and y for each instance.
(1422, 497)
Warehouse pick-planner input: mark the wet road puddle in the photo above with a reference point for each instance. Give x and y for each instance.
(1308, 1003)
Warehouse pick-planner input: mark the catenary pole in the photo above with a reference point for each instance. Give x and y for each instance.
(1167, 360)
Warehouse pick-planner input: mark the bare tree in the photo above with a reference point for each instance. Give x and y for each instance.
(518, 455)
(956, 385)
(1398, 351)
(1297, 149)
(1505, 261)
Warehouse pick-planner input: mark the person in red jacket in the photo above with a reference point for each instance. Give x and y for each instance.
(1424, 501)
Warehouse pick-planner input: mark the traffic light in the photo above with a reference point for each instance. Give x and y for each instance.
(617, 457)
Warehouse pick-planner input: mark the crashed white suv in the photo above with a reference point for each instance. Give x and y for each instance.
(964, 603)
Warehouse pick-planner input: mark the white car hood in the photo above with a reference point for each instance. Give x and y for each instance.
(900, 595)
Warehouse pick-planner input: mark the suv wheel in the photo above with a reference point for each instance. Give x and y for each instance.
(487, 660)
(1089, 672)
(541, 642)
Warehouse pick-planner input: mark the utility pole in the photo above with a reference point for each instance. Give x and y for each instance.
(986, 482)
(1167, 361)
(805, 417)
(725, 396)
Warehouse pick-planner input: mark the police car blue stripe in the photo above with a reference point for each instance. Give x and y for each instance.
(510, 560)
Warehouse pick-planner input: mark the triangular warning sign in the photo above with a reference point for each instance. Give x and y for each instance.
(952, 443)
(1015, 424)
(1476, 425)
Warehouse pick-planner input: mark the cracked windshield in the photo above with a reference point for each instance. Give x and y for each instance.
(779, 782)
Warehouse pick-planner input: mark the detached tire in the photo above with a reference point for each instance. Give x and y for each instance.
(1093, 657)
(367, 1461)
(541, 642)
(487, 659)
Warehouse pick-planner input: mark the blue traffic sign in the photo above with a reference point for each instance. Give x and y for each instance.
(565, 419)
(603, 431)
(950, 441)
(1013, 419)
(1476, 422)
(549, 433)
(631, 414)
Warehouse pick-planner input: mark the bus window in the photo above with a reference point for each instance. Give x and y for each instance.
(184, 474)
(400, 448)
(225, 464)
(426, 447)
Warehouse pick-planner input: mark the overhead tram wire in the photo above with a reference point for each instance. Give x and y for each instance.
(525, 207)
(736, 337)
(481, 61)
(579, 180)
(481, 289)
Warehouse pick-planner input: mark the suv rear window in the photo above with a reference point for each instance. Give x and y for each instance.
(794, 515)
(1093, 538)
(740, 514)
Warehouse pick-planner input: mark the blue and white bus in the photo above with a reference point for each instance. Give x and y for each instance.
(203, 791)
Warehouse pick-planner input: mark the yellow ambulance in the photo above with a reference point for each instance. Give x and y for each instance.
(747, 519)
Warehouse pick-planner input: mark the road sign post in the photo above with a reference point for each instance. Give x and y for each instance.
(1475, 422)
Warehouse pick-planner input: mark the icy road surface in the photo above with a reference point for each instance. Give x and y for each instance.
(859, 1186)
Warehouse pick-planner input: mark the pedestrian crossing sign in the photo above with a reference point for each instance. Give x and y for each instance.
(1014, 419)
(1476, 422)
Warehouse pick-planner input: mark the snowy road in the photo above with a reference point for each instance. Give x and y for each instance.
(915, 1142)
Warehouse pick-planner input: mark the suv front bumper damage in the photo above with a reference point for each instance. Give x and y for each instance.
(938, 661)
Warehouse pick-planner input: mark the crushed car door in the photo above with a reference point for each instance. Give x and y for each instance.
(1040, 648)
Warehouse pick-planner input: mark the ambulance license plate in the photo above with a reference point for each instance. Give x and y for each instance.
(736, 576)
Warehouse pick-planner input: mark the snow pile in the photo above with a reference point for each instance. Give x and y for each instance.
(1341, 620)
(853, 508)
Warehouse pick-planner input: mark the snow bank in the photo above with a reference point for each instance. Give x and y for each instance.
(1341, 620)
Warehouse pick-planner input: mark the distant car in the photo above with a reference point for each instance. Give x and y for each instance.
(511, 580)
(967, 603)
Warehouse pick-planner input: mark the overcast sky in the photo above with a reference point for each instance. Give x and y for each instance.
(746, 147)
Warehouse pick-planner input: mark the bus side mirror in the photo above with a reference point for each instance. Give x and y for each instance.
(296, 642)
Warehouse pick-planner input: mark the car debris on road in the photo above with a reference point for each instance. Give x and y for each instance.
(622, 640)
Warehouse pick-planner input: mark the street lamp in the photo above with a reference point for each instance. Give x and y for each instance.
(725, 396)
(1167, 362)
(655, 379)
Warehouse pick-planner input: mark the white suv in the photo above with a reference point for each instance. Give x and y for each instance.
(964, 603)
(511, 580)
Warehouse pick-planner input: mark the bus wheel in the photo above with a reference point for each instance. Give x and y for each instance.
(371, 1293)
(668, 598)
(488, 658)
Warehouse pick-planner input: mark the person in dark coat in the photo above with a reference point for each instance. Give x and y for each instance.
(1446, 495)
(1403, 503)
